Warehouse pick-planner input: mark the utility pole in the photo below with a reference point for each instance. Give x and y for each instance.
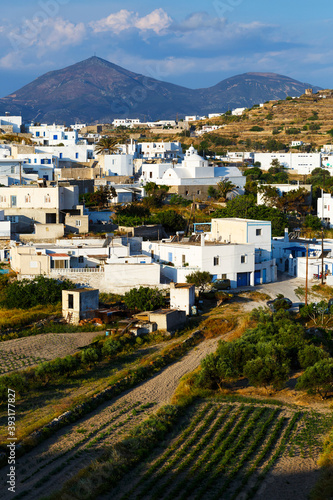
(306, 275)
(322, 258)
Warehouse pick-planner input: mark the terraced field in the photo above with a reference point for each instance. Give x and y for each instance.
(30, 351)
(225, 451)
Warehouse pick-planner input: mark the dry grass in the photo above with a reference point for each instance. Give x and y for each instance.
(324, 291)
(286, 114)
(16, 318)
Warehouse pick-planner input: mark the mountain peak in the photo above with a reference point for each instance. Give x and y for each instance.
(96, 90)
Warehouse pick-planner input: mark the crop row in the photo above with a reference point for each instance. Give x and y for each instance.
(274, 436)
(86, 437)
(181, 453)
(276, 455)
(198, 471)
(227, 455)
(157, 464)
(261, 433)
(195, 452)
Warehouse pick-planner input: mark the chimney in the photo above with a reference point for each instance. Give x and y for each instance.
(286, 234)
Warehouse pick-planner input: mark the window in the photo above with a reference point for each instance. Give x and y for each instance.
(224, 276)
(13, 201)
(76, 155)
(2, 199)
(186, 193)
(78, 223)
(55, 137)
(81, 259)
(150, 175)
(243, 259)
(27, 198)
(60, 156)
(216, 261)
(258, 232)
(47, 198)
(12, 171)
(37, 134)
(70, 301)
(198, 192)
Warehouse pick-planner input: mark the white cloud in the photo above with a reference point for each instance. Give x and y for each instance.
(46, 34)
(116, 23)
(157, 21)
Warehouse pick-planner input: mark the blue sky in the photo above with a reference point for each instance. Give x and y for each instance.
(195, 44)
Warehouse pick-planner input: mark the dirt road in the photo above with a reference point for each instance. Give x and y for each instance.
(50, 464)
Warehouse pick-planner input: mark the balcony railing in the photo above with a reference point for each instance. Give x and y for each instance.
(73, 270)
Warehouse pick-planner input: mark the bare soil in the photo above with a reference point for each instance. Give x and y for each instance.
(29, 351)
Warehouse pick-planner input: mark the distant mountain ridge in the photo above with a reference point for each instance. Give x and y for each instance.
(97, 91)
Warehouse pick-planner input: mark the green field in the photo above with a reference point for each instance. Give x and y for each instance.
(224, 450)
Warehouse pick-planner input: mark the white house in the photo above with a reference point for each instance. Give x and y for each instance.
(192, 118)
(162, 150)
(126, 122)
(235, 249)
(238, 111)
(52, 135)
(25, 205)
(80, 153)
(11, 123)
(5, 227)
(301, 163)
(193, 171)
(325, 208)
(121, 164)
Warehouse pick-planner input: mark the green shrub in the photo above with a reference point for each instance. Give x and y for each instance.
(29, 293)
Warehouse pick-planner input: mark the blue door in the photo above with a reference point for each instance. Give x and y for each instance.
(264, 279)
(243, 279)
(257, 277)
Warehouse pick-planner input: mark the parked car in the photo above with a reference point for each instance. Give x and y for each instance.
(222, 284)
(279, 303)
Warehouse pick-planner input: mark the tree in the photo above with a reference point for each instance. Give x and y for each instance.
(144, 299)
(317, 378)
(171, 221)
(212, 192)
(200, 279)
(224, 187)
(265, 372)
(312, 222)
(102, 196)
(29, 293)
(106, 145)
(156, 194)
(245, 207)
(310, 355)
(270, 195)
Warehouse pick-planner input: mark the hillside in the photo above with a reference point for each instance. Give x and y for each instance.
(96, 90)
(308, 119)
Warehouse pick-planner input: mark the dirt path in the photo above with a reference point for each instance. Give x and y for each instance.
(45, 468)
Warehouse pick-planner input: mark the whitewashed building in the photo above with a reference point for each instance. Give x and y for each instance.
(235, 249)
(192, 171)
(301, 163)
(325, 209)
(11, 123)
